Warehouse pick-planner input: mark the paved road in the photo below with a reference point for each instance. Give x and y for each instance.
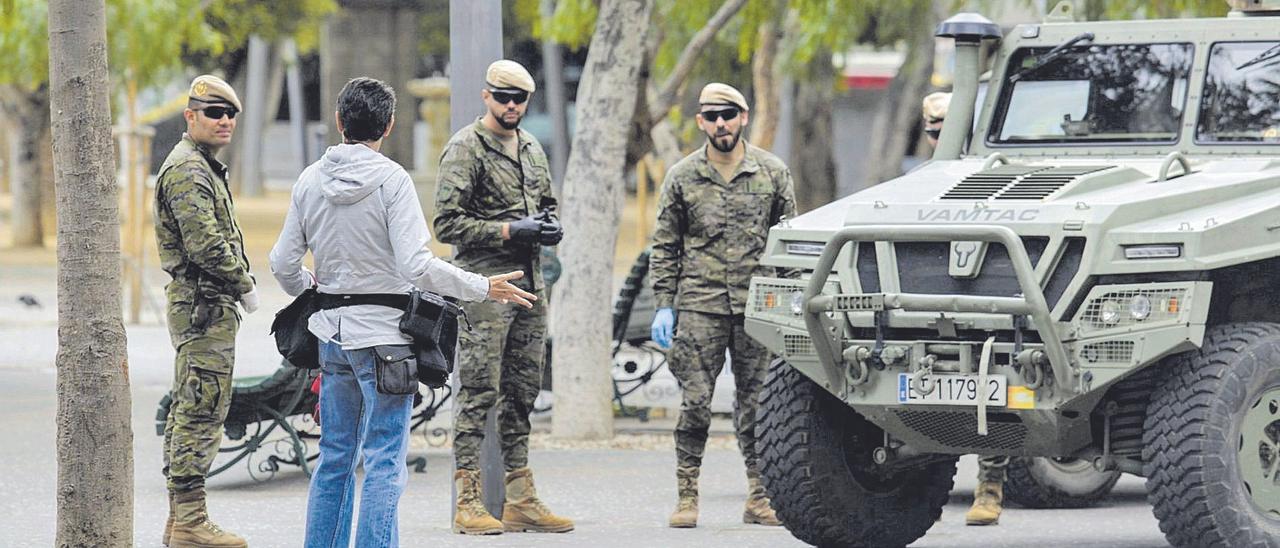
(618, 497)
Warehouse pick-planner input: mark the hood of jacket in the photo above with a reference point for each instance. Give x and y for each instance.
(351, 172)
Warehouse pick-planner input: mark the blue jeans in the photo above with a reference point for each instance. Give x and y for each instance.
(357, 422)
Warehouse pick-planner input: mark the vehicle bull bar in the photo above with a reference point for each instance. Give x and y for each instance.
(827, 334)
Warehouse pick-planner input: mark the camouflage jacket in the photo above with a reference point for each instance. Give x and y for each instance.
(199, 240)
(711, 232)
(480, 188)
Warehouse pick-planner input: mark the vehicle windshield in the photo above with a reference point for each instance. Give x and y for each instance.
(1093, 94)
(1241, 94)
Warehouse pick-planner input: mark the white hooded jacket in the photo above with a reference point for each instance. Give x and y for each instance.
(358, 213)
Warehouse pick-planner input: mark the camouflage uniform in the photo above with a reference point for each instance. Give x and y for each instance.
(481, 187)
(202, 248)
(992, 468)
(707, 246)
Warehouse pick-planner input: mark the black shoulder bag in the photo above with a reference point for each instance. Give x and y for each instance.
(430, 320)
(294, 341)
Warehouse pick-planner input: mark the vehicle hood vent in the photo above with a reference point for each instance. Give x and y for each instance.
(1017, 182)
(989, 182)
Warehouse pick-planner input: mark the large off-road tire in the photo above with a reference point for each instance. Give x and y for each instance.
(1042, 482)
(1211, 438)
(815, 458)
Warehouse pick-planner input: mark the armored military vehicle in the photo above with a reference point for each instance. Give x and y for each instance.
(1088, 273)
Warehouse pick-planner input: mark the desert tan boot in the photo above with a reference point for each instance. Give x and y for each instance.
(524, 512)
(987, 500)
(686, 514)
(168, 523)
(758, 509)
(192, 527)
(470, 517)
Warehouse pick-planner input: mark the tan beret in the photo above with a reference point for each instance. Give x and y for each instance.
(716, 93)
(208, 88)
(505, 74)
(934, 107)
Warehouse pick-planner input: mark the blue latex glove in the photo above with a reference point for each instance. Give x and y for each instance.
(664, 324)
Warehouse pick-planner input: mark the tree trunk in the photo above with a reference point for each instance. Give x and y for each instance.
(6, 132)
(593, 196)
(94, 439)
(246, 175)
(764, 113)
(668, 94)
(553, 63)
(29, 113)
(650, 124)
(812, 163)
(899, 116)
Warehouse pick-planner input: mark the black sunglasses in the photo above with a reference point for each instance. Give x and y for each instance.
(724, 114)
(216, 113)
(504, 97)
(933, 132)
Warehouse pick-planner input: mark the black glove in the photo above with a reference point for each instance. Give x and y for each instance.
(552, 232)
(526, 231)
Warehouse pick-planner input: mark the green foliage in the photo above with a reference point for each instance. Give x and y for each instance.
(24, 44)
(572, 24)
(1162, 9)
(236, 20)
(147, 38)
(150, 40)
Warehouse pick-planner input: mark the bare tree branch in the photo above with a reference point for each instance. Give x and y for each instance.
(660, 103)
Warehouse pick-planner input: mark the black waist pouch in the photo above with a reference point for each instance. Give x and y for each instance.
(432, 322)
(294, 341)
(396, 370)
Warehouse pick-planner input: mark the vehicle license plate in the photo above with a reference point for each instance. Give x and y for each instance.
(956, 390)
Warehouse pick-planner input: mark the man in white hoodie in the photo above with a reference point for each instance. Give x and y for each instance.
(358, 213)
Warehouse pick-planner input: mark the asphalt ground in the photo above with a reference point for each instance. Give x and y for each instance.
(620, 492)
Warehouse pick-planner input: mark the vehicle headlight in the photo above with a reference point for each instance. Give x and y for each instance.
(1160, 251)
(1140, 307)
(805, 248)
(797, 302)
(1110, 313)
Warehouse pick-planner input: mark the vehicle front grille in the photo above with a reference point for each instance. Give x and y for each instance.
(960, 429)
(797, 345)
(1108, 352)
(922, 268)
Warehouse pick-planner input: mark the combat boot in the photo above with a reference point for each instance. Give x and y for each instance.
(192, 527)
(524, 512)
(758, 509)
(686, 514)
(987, 500)
(470, 516)
(168, 523)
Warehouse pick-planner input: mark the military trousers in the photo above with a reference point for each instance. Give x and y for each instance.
(992, 468)
(499, 363)
(696, 358)
(204, 336)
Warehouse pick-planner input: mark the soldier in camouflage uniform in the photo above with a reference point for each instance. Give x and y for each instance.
(714, 214)
(202, 248)
(494, 186)
(988, 498)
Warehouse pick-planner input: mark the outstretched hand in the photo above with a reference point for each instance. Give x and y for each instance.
(502, 291)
